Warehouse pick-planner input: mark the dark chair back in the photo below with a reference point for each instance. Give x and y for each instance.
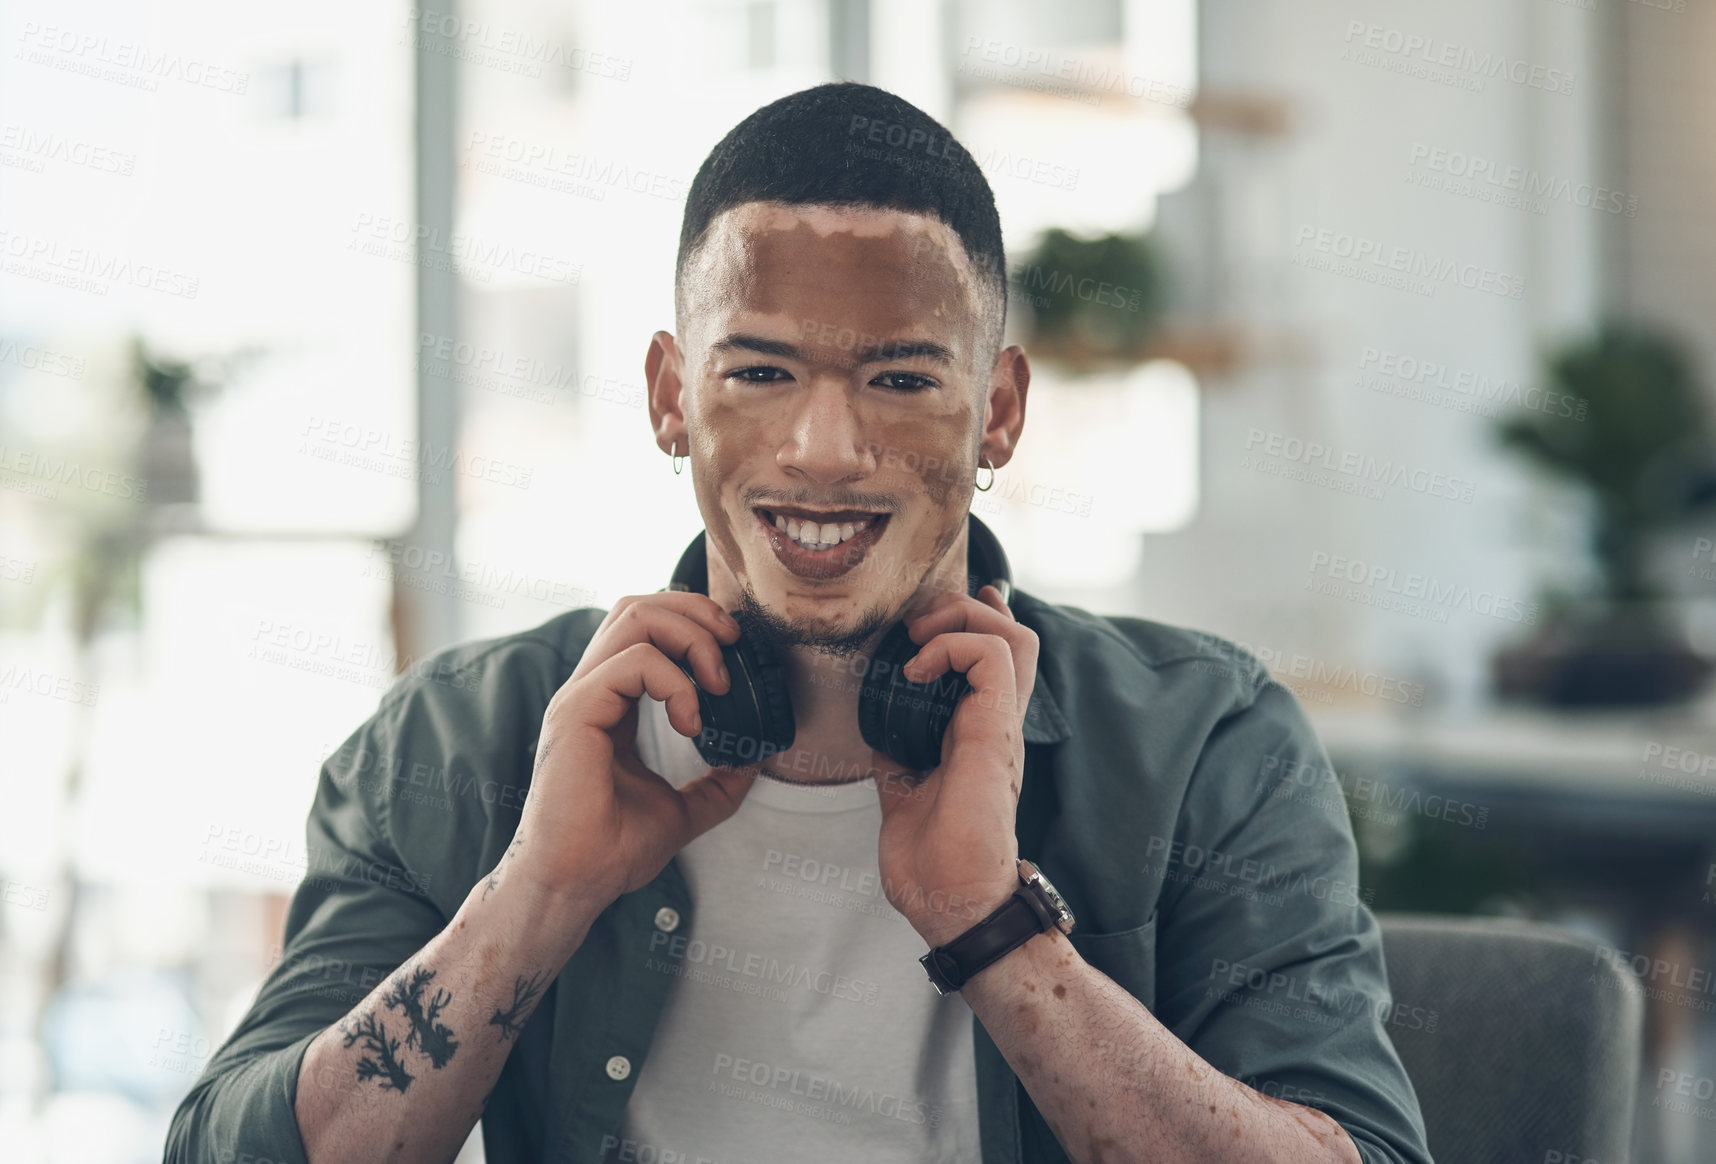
(1536, 1051)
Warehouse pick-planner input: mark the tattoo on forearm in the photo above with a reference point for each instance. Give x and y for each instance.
(428, 1036)
(385, 1066)
(495, 875)
(434, 1039)
(524, 995)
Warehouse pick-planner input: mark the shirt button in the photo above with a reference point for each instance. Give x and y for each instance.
(619, 1067)
(667, 919)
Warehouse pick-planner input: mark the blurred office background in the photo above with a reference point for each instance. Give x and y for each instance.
(321, 342)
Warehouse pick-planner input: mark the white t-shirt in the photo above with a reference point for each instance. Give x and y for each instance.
(801, 1025)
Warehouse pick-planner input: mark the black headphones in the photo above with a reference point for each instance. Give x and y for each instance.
(901, 719)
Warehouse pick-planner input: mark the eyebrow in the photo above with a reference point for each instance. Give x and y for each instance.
(875, 353)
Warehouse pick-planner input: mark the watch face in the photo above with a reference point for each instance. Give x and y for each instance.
(1057, 903)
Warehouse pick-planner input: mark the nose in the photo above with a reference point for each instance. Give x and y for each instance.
(825, 444)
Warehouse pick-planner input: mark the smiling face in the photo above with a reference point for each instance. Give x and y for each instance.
(835, 385)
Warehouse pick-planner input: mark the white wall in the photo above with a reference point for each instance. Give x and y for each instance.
(1241, 568)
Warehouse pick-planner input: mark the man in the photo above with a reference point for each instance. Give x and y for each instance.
(608, 950)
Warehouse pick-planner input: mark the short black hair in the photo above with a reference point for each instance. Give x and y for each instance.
(847, 144)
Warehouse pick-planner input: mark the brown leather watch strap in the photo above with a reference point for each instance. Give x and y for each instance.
(1009, 925)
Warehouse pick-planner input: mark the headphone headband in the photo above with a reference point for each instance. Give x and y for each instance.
(986, 561)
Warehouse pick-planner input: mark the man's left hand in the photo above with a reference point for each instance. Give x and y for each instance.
(948, 853)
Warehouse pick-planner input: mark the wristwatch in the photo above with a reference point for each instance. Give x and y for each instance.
(1032, 909)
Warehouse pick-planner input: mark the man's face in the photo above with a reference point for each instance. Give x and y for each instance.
(835, 378)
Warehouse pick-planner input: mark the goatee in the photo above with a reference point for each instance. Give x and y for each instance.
(755, 619)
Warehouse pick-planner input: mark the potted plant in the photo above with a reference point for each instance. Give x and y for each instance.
(1635, 436)
(1090, 303)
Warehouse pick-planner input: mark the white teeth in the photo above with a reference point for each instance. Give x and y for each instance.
(820, 535)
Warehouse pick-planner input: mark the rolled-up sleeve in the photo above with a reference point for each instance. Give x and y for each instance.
(1270, 962)
(355, 918)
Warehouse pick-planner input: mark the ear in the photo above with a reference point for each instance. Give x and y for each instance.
(662, 372)
(1004, 410)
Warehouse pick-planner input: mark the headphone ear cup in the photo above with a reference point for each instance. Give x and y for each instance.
(759, 661)
(904, 720)
(753, 720)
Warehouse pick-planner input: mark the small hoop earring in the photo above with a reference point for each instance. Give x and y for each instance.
(991, 468)
(678, 461)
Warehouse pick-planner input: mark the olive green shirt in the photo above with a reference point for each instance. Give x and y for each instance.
(1174, 792)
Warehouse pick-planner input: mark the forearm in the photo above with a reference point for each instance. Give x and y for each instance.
(1114, 1084)
(405, 1074)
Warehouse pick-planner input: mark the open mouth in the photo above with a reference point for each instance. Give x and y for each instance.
(820, 544)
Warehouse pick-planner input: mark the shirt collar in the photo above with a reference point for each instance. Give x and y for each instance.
(1044, 722)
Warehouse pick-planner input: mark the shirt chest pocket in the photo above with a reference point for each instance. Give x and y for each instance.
(1127, 956)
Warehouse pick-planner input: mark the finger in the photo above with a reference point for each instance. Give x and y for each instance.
(700, 608)
(961, 612)
(692, 605)
(973, 615)
(716, 795)
(641, 669)
(985, 660)
(707, 611)
(676, 634)
(921, 608)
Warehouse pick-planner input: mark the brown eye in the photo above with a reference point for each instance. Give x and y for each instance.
(761, 374)
(905, 381)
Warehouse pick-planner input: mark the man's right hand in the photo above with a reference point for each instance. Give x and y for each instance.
(596, 822)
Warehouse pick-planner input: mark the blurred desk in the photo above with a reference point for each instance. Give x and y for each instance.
(1633, 773)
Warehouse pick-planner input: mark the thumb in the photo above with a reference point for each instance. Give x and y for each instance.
(715, 796)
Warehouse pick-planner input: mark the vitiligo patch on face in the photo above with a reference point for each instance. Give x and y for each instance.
(760, 249)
